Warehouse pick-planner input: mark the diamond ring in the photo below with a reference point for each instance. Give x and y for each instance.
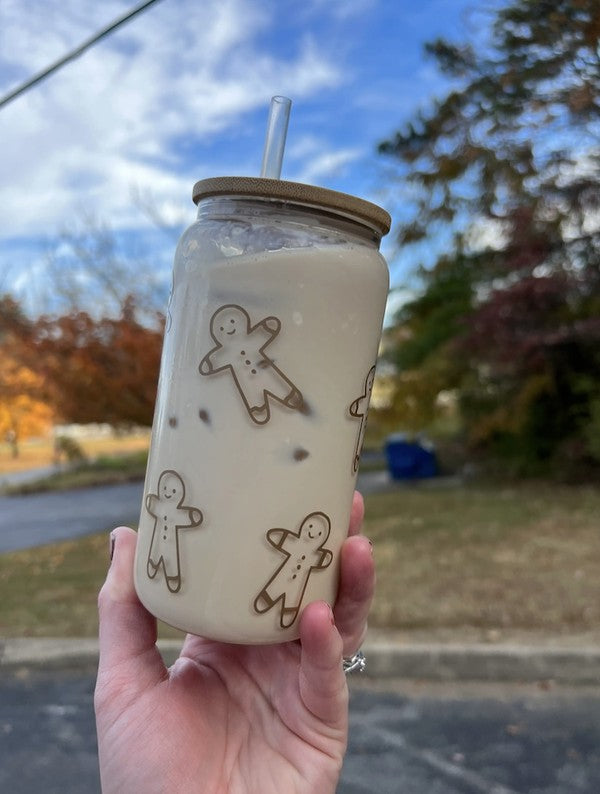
(353, 664)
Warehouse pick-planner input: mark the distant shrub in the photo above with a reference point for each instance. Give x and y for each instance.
(67, 447)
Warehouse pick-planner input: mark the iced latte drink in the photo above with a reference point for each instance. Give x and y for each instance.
(271, 338)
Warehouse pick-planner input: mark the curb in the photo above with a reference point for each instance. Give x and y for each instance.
(484, 663)
(385, 660)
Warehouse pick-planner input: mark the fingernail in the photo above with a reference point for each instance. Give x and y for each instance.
(371, 545)
(331, 618)
(111, 545)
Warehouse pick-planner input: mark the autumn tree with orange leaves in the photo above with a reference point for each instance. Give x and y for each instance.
(83, 369)
(99, 370)
(22, 412)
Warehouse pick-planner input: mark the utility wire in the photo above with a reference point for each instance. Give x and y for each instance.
(71, 56)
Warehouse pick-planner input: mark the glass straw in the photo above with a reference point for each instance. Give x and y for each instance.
(279, 115)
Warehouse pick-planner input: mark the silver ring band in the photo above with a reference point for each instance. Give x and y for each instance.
(353, 664)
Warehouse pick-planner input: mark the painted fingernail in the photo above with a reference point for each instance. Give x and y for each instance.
(111, 545)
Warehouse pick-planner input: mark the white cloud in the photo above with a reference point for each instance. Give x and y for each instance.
(327, 163)
(303, 146)
(315, 159)
(183, 71)
(340, 9)
(182, 93)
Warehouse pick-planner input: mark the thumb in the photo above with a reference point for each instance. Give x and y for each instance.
(128, 649)
(322, 682)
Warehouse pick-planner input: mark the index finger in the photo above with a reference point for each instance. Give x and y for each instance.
(357, 514)
(127, 631)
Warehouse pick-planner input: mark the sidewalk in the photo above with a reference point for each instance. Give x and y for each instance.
(26, 476)
(386, 659)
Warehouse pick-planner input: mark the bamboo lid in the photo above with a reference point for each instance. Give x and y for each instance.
(295, 193)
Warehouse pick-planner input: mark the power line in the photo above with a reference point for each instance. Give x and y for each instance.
(71, 56)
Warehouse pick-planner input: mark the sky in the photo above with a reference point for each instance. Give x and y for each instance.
(181, 93)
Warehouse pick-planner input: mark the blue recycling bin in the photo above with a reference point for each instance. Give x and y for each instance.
(409, 460)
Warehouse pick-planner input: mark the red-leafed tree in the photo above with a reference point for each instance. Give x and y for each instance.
(505, 170)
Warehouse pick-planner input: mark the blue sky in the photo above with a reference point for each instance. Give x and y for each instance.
(182, 93)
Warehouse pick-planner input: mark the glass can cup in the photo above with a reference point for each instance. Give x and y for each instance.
(271, 338)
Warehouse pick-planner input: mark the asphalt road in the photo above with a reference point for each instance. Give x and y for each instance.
(33, 520)
(409, 740)
(40, 518)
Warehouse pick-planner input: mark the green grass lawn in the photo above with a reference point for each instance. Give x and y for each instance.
(495, 559)
(461, 559)
(104, 470)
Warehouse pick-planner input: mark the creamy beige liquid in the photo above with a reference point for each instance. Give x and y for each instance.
(254, 480)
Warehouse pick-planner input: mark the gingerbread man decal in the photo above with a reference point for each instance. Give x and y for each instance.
(170, 515)
(304, 553)
(240, 350)
(359, 409)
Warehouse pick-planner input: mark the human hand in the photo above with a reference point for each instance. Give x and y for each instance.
(227, 719)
